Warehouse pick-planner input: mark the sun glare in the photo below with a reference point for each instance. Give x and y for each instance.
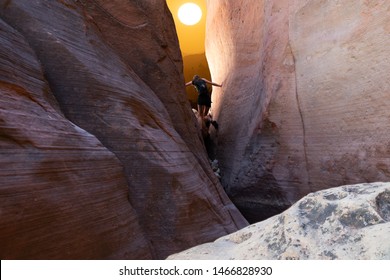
(189, 14)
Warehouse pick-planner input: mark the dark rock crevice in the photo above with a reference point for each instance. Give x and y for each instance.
(383, 205)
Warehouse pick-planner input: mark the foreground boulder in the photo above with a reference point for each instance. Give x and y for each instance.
(348, 222)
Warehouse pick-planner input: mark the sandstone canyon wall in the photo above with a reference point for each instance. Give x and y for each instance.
(61, 190)
(100, 151)
(305, 98)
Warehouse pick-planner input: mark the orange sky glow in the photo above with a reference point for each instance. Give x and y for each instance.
(192, 45)
(191, 38)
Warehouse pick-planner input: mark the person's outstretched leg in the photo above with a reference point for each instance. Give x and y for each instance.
(201, 110)
(205, 112)
(201, 114)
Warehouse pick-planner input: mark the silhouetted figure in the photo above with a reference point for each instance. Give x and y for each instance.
(204, 96)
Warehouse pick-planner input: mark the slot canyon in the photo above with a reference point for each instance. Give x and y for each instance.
(102, 156)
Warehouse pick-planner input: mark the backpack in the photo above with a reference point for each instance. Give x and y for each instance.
(201, 86)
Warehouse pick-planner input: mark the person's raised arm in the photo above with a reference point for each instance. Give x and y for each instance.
(189, 83)
(211, 83)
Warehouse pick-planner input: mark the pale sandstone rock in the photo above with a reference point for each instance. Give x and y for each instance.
(348, 222)
(305, 99)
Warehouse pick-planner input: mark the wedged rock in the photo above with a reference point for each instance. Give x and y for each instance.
(305, 96)
(178, 200)
(347, 222)
(63, 195)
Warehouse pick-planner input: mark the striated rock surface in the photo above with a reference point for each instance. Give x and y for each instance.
(116, 151)
(305, 99)
(143, 35)
(63, 195)
(348, 222)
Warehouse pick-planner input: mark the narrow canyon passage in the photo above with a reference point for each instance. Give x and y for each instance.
(259, 199)
(101, 155)
(99, 144)
(305, 99)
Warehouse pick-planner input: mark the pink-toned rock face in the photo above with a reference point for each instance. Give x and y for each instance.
(117, 168)
(63, 195)
(305, 99)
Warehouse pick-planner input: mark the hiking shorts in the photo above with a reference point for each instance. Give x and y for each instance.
(204, 99)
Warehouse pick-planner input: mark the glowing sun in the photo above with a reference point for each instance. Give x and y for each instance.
(189, 13)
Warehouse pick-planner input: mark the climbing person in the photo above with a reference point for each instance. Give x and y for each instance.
(204, 96)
